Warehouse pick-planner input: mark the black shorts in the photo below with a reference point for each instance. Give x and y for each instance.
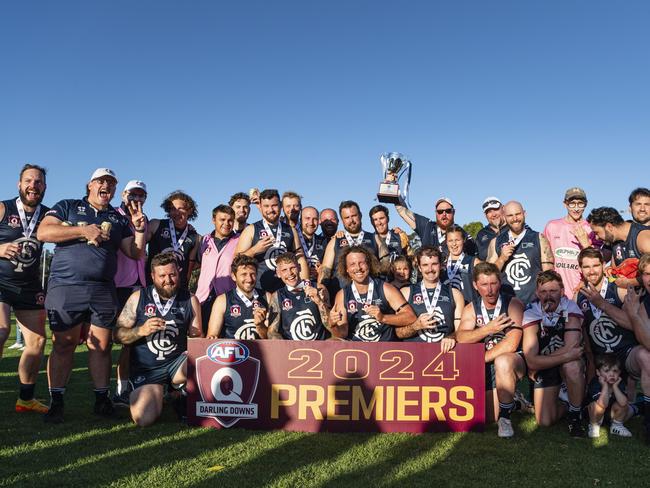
(490, 374)
(30, 298)
(547, 378)
(162, 375)
(70, 305)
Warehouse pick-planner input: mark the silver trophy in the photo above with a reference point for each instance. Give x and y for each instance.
(394, 166)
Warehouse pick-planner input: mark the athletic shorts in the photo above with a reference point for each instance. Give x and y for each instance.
(490, 374)
(161, 375)
(546, 378)
(30, 298)
(70, 305)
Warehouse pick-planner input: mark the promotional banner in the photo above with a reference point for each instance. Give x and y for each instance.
(335, 386)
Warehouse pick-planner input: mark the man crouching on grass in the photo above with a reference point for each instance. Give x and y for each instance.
(156, 322)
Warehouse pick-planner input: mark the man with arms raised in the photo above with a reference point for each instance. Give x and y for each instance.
(20, 254)
(367, 309)
(88, 233)
(298, 311)
(437, 305)
(520, 253)
(240, 313)
(314, 245)
(268, 238)
(175, 234)
(329, 223)
(155, 322)
(553, 351)
(640, 206)
(216, 252)
(494, 214)
(494, 318)
(396, 241)
(241, 204)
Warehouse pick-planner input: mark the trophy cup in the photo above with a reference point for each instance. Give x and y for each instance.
(394, 166)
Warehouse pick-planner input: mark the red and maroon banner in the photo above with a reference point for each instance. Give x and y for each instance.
(336, 386)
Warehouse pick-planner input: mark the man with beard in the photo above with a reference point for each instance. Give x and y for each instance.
(520, 253)
(494, 318)
(241, 204)
(298, 311)
(329, 223)
(155, 322)
(640, 206)
(266, 239)
(637, 309)
(314, 245)
(567, 236)
(88, 233)
(606, 324)
(367, 309)
(553, 350)
(291, 208)
(216, 253)
(352, 236)
(240, 313)
(437, 305)
(175, 234)
(494, 214)
(610, 227)
(20, 254)
(396, 241)
(459, 266)
(435, 233)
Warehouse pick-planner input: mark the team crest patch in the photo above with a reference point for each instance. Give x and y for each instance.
(417, 299)
(165, 233)
(343, 243)
(585, 305)
(263, 234)
(13, 221)
(40, 298)
(256, 304)
(352, 306)
(479, 321)
(235, 310)
(150, 310)
(287, 304)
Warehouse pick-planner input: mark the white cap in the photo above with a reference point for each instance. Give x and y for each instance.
(443, 199)
(133, 184)
(100, 172)
(491, 202)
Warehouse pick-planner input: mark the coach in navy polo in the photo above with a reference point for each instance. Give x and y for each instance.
(88, 233)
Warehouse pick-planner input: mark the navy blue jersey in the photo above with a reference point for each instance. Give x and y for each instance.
(483, 238)
(164, 346)
(75, 261)
(462, 280)
(266, 278)
(364, 327)
(550, 328)
(521, 270)
(427, 231)
(238, 320)
(491, 340)
(299, 317)
(340, 243)
(23, 270)
(161, 241)
(622, 250)
(315, 249)
(443, 312)
(394, 245)
(605, 335)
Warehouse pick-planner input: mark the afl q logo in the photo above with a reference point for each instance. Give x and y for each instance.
(518, 271)
(368, 329)
(150, 310)
(303, 327)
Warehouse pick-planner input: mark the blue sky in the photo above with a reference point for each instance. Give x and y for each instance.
(520, 99)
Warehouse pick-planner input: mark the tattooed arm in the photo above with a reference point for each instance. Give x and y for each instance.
(406, 214)
(273, 331)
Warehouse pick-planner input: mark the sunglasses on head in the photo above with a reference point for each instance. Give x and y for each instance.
(445, 211)
(490, 203)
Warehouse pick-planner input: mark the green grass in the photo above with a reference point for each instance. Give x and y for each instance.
(86, 451)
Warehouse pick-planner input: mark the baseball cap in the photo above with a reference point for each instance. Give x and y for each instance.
(491, 202)
(575, 193)
(101, 172)
(136, 184)
(443, 199)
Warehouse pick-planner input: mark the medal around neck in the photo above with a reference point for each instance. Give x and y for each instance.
(394, 166)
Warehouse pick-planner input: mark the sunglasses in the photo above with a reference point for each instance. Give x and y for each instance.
(445, 211)
(491, 203)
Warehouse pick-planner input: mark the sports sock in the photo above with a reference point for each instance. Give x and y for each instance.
(101, 393)
(505, 409)
(57, 394)
(27, 391)
(574, 412)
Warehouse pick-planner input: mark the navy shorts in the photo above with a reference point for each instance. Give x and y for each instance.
(546, 378)
(30, 298)
(70, 305)
(161, 375)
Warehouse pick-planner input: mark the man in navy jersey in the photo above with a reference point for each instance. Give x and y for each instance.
(329, 223)
(367, 309)
(20, 256)
(298, 311)
(156, 322)
(459, 266)
(175, 234)
(437, 305)
(520, 253)
(88, 233)
(494, 318)
(266, 239)
(314, 245)
(240, 313)
(494, 214)
(395, 239)
(640, 206)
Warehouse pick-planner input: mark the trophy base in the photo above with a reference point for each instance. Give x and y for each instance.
(388, 193)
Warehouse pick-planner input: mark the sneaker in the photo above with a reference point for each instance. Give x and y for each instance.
(505, 428)
(54, 414)
(563, 394)
(122, 400)
(104, 407)
(17, 345)
(619, 429)
(594, 431)
(576, 429)
(180, 407)
(32, 405)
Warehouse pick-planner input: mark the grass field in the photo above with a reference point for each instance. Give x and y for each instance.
(86, 451)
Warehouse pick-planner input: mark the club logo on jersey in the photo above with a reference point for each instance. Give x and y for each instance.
(227, 378)
(303, 327)
(247, 332)
(518, 271)
(603, 331)
(163, 342)
(584, 305)
(81, 210)
(272, 253)
(29, 250)
(113, 218)
(433, 335)
(14, 221)
(568, 253)
(417, 299)
(352, 306)
(368, 329)
(287, 304)
(553, 345)
(343, 243)
(150, 310)
(235, 310)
